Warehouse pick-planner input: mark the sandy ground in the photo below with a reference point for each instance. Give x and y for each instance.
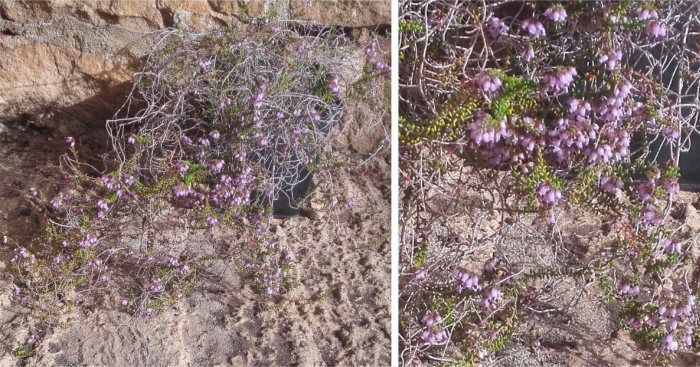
(336, 314)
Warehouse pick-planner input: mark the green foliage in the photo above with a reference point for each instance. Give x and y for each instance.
(448, 125)
(162, 187)
(25, 351)
(411, 25)
(421, 255)
(516, 97)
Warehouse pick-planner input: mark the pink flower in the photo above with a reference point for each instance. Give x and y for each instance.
(485, 131)
(669, 343)
(529, 53)
(205, 66)
(70, 141)
(612, 57)
(216, 166)
(431, 318)
(489, 297)
(491, 264)
(670, 246)
(672, 186)
(184, 269)
(670, 133)
(687, 338)
(534, 27)
(465, 281)
(645, 14)
(496, 28)
(173, 262)
(556, 14)
(560, 80)
(489, 83)
(420, 275)
(433, 336)
(548, 195)
(610, 184)
(348, 203)
(333, 84)
(257, 100)
(655, 29)
(578, 107)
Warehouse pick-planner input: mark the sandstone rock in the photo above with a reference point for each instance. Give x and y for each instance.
(72, 59)
(346, 13)
(38, 77)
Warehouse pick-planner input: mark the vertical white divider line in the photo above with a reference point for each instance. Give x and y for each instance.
(394, 183)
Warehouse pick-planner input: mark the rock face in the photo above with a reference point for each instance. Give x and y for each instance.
(66, 65)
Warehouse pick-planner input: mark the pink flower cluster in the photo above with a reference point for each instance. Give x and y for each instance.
(619, 104)
(534, 27)
(496, 28)
(371, 58)
(610, 184)
(556, 14)
(465, 280)
(647, 14)
(489, 84)
(490, 264)
(433, 333)
(256, 100)
(670, 313)
(211, 221)
(547, 195)
(155, 285)
(649, 215)
(654, 28)
(611, 58)
(205, 66)
(627, 289)
(60, 200)
(559, 81)
(102, 207)
(87, 241)
(670, 133)
(529, 53)
(484, 130)
(333, 84)
(671, 186)
(670, 246)
(172, 262)
(490, 296)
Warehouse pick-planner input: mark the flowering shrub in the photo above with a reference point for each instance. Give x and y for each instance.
(550, 106)
(218, 129)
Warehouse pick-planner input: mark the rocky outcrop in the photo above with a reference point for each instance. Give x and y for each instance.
(65, 65)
